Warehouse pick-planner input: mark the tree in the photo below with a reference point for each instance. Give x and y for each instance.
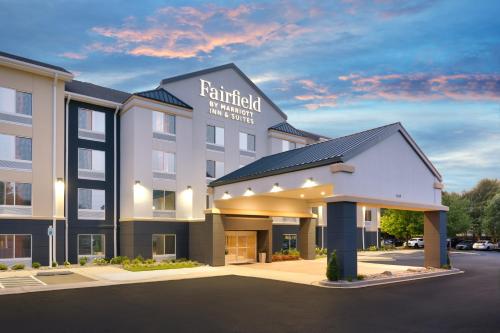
(492, 217)
(332, 269)
(479, 197)
(402, 224)
(459, 220)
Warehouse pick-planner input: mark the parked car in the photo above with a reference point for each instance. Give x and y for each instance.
(391, 242)
(464, 245)
(484, 245)
(416, 243)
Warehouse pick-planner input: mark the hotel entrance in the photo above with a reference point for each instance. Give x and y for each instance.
(241, 247)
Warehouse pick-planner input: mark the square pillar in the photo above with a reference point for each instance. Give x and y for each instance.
(341, 237)
(307, 238)
(207, 241)
(435, 252)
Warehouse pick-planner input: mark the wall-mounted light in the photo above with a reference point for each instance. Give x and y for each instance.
(226, 195)
(137, 182)
(302, 195)
(276, 188)
(248, 192)
(309, 182)
(189, 187)
(60, 184)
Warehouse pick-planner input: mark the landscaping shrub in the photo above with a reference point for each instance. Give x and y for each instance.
(118, 260)
(126, 261)
(448, 262)
(36, 265)
(332, 269)
(67, 263)
(373, 248)
(286, 255)
(150, 261)
(17, 267)
(361, 277)
(83, 261)
(55, 264)
(3, 267)
(138, 267)
(100, 261)
(139, 258)
(321, 252)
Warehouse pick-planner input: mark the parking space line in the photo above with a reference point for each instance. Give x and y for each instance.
(39, 281)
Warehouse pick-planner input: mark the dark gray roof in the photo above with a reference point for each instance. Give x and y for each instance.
(287, 128)
(324, 153)
(161, 95)
(92, 90)
(222, 67)
(33, 62)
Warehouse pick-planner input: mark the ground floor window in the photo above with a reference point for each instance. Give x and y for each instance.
(164, 245)
(289, 242)
(91, 245)
(15, 246)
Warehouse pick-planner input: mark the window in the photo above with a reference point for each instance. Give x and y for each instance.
(368, 215)
(289, 242)
(215, 135)
(215, 169)
(15, 194)
(89, 159)
(91, 199)
(163, 161)
(163, 245)
(12, 101)
(163, 200)
(15, 148)
(247, 142)
(93, 121)
(163, 123)
(91, 245)
(15, 246)
(288, 145)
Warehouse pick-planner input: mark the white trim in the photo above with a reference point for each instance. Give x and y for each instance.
(29, 67)
(92, 100)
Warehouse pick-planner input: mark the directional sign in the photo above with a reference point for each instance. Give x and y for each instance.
(50, 231)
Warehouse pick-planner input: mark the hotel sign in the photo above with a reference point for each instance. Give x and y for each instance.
(230, 104)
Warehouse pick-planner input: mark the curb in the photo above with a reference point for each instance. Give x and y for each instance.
(383, 281)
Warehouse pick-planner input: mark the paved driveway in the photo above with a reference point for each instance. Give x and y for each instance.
(467, 302)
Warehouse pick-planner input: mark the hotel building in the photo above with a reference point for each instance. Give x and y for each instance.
(205, 167)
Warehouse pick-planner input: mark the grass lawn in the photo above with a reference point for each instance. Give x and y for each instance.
(160, 266)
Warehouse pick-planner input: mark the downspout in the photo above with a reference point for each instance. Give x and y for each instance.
(66, 179)
(54, 148)
(115, 156)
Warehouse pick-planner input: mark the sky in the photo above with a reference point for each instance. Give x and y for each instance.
(335, 67)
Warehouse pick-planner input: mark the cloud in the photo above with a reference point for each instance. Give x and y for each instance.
(425, 87)
(73, 55)
(188, 32)
(316, 95)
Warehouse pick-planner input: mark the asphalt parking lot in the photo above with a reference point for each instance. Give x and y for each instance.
(467, 302)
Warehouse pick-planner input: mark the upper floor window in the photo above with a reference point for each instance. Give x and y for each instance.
(163, 200)
(215, 135)
(91, 199)
(163, 161)
(163, 123)
(93, 121)
(91, 164)
(15, 194)
(12, 101)
(215, 169)
(368, 215)
(288, 145)
(247, 142)
(15, 148)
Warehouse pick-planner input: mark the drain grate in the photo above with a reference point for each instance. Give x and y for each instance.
(20, 281)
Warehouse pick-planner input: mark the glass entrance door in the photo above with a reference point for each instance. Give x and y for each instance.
(241, 247)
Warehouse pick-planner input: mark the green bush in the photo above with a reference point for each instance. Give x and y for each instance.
(100, 261)
(55, 264)
(321, 251)
(159, 265)
(118, 260)
(373, 248)
(150, 261)
(3, 267)
(36, 265)
(83, 261)
(361, 277)
(332, 269)
(17, 267)
(67, 263)
(126, 261)
(139, 258)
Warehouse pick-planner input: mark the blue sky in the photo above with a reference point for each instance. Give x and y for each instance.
(335, 67)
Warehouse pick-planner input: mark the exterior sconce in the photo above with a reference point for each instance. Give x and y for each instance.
(309, 182)
(248, 192)
(137, 182)
(189, 187)
(226, 196)
(276, 188)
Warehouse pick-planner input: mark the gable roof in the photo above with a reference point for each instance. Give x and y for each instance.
(336, 150)
(222, 67)
(289, 129)
(33, 62)
(161, 95)
(93, 90)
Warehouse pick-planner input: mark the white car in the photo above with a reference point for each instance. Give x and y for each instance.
(484, 245)
(415, 242)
